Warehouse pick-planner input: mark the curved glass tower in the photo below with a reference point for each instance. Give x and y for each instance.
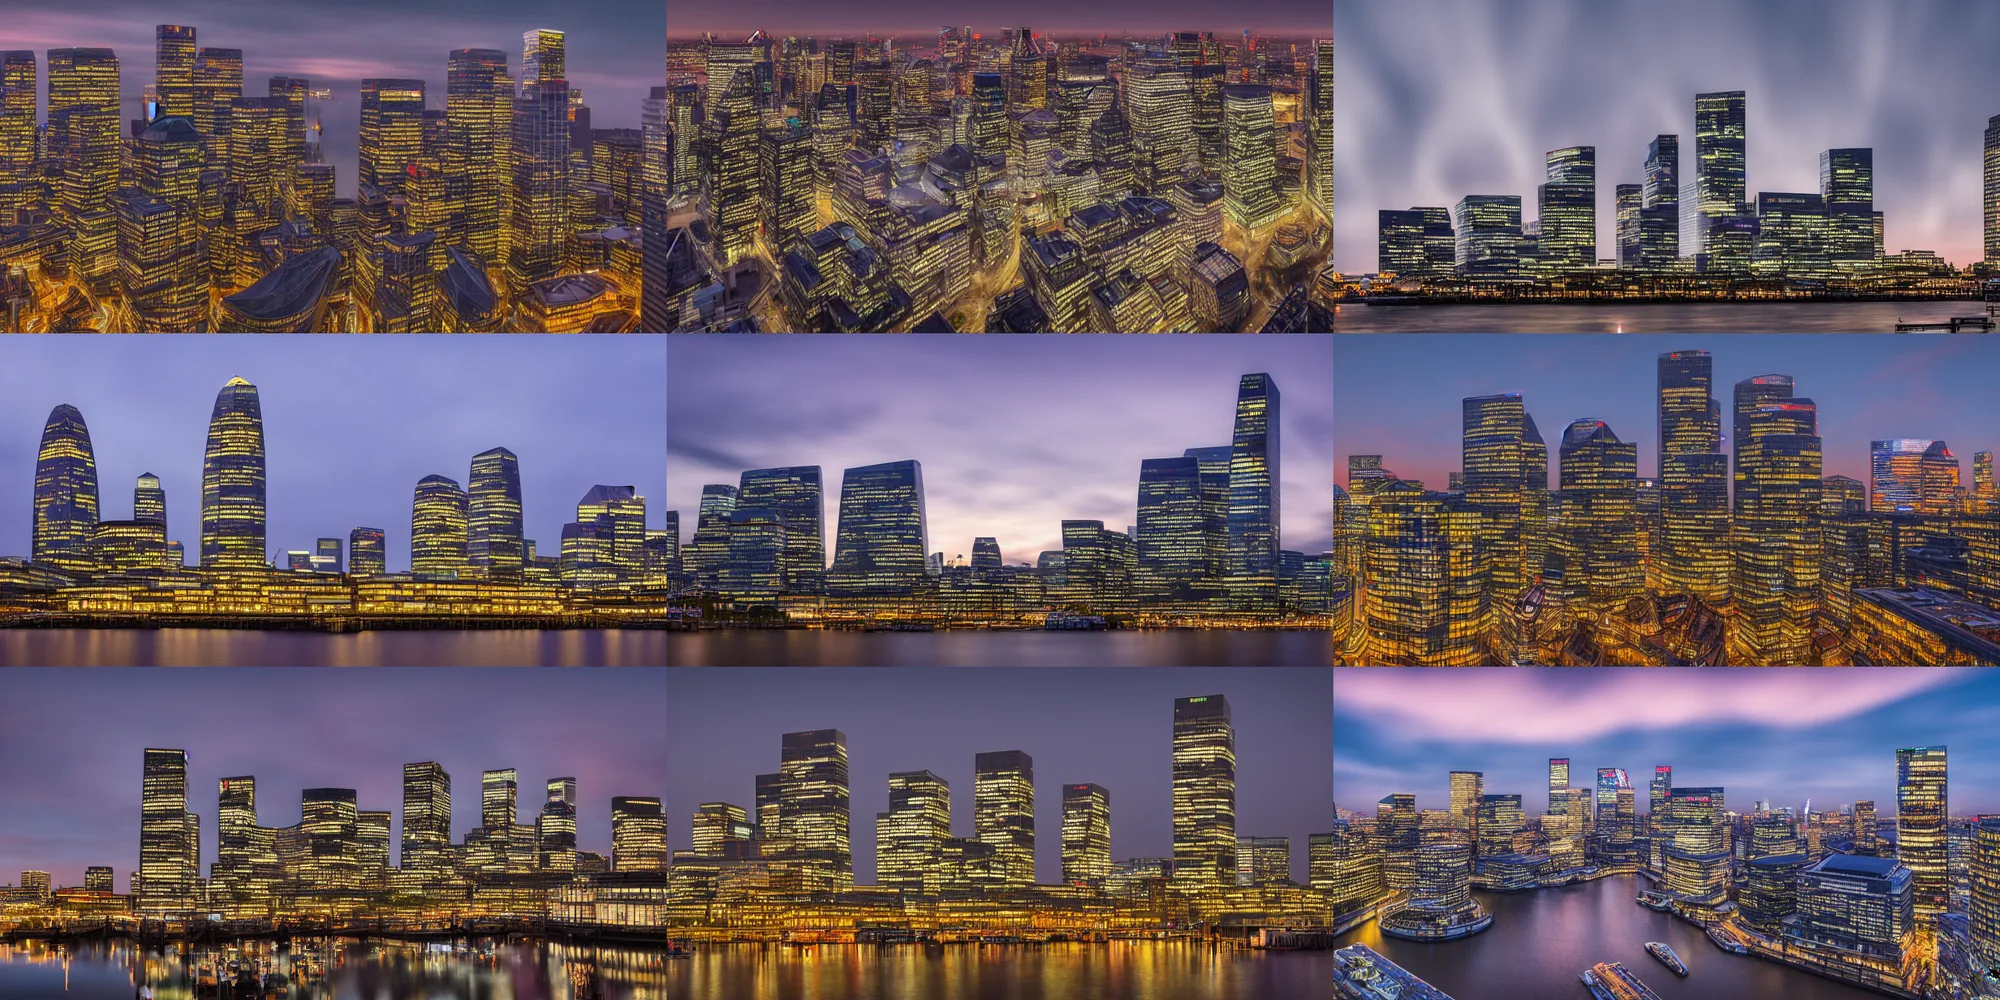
(65, 491)
(437, 528)
(232, 481)
(493, 527)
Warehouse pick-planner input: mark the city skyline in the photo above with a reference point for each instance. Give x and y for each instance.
(1779, 736)
(1868, 388)
(911, 17)
(992, 471)
(1113, 728)
(615, 64)
(1517, 81)
(147, 410)
(594, 726)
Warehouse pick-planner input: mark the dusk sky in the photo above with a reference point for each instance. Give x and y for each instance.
(1015, 434)
(350, 424)
(1110, 726)
(854, 20)
(67, 803)
(1399, 395)
(1439, 99)
(1782, 735)
(614, 49)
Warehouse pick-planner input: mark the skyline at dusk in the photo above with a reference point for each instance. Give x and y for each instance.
(72, 803)
(879, 17)
(350, 425)
(1472, 101)
(614, 60)
(1785, 736)
(1056, 432)
(1399, 396)
(1108, 726)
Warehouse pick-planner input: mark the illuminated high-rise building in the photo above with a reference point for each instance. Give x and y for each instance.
(555, 828)
(98, 878)
(438, 528)
(540, 222)
(1498, 820)
(498, 790)
(1984, 867)
(218, 83)
(1506, 484)
(881, 543)
(493, 515)
(1567, 206)
(1896, 473)
(1250, 169)
(1714, 199)
(1463, 791)
(149, 500)
(1984, 494)
(426, 816)
(1693, 543)
(1558, 786)
(1867, 838)
(1003, 814)
(392, 132)
(1086, 834)
(19, 117)
(83, 133)
(1204, 792)
(367, 552)
(1319, 128)
(232, 481)
(638, 834)
(543, 56)
(1160, 102)
(1992, 188)
(166, 878)
(66, 507)
(173, 49)
(618, 515)
(1595, 553)
(1775, 587)
(479, 108)
(728, 192)
(1172, 540)
(793, 495)
(656, 173)
(330, 826)
(719, 824)
(1254, 519)
(909, 838)
(812, 809)
(290, 94)
(1847, 196)
(1923, 826)
(159, 229)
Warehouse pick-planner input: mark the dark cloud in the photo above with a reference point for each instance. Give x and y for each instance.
(68, 802)
(350, 423)
(1438, 99)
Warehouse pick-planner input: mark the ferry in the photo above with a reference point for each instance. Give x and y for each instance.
(1612, 981)
(1658, 902)
(1659, 950)
(1727, 942)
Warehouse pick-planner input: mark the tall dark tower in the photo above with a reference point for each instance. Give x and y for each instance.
(65, 491)
(232, 481)
(1253, 495)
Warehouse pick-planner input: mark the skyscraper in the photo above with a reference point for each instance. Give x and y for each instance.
(1992, 199)
(479, 110)
(1985, 871)
(1172, 543)
(1923, 826)
(1895, 473)
(149, 500)
(1086, 834)
(367, 552)
(1250, 170)
(173, 62)
(1204, 792)
(1558, 786)
(1254, 519)
(497, 798)
(541, 154)
(66, 509)
(1465, 789)
(1596, 544)
(813, 805)
(881, 544)
(1567, 208)
(909, 838)
(1506, 472)
(1715, 197)
(638, 834)
(1003, 812)
(1777, 517)
(493, 521)
(232, 481)
(19, 118)
(656, 169)
(793, 495)
(426, 817)
(83, 132)
(438, 528)
(165, 875)
(1693, 543)
(392, 132)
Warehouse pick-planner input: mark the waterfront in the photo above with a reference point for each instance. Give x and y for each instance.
(1652, 317)
(1540, 941)
(245, 648)
(1120, 970)
(974, 648)
(323, 969)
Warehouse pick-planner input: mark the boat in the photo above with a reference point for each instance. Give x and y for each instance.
(1596, 988)
(1657, 901)
(1617, 983)
(1659, 950)
(1726, 942)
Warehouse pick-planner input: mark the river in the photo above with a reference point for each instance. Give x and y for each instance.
(1650, 317)
(324, 970)
(1540, 941)
(1121, 970)
(973, 648)
(234, 648)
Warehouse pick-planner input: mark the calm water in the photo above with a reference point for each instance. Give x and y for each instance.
(1540, 941)
(232, 648)
(1656, 317)
(1155, 648)
(1130, 970)
(344, 970)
